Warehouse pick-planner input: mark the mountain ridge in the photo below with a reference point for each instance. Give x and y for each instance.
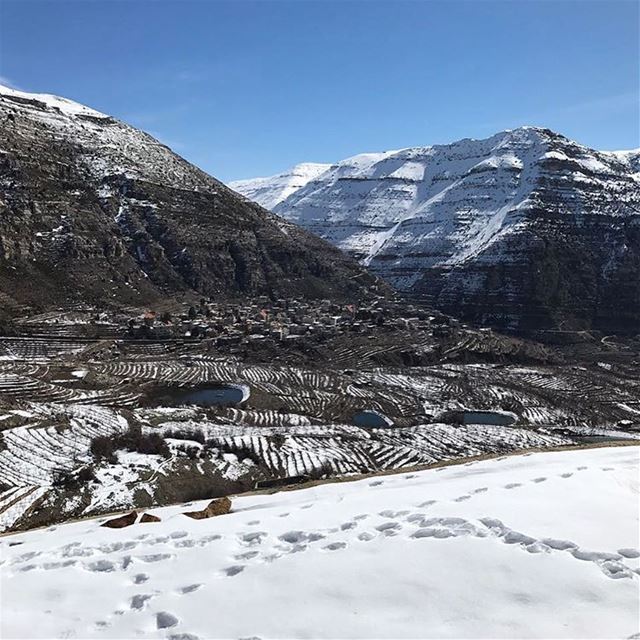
(456, 222)
(97, 211)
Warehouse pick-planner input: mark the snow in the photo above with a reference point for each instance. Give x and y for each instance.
(554, 155)
(68, 107)
(537, 546)
(271, 191)
(404, 211)
(110, 147)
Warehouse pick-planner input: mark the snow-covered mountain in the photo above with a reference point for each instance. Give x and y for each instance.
(271, 191)
(525, 229)
(94, 210)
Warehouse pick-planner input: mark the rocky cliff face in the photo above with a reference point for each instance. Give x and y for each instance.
(523, 230)
(94, 210)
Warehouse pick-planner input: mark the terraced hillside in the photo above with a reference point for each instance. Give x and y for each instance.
(61, 394)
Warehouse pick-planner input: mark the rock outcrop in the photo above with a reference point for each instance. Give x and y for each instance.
(122, 521)
(215, 508)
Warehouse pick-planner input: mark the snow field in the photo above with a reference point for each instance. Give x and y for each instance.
(541, 545)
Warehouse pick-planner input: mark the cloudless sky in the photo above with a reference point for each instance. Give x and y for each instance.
(245, 88)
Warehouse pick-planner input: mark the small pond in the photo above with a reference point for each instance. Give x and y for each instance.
(600, 438)
(501, 418)
(371, 419)
(222, 395)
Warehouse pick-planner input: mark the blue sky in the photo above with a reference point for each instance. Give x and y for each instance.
(245, 88)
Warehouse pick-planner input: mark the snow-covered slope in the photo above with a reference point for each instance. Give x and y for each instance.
(537, 546)
(92, 209)
(271, 191)
(466, 222)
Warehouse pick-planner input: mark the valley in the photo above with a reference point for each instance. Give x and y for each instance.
(218, 397)
(164, 339)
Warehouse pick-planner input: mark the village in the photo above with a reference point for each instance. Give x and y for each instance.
(285, 320)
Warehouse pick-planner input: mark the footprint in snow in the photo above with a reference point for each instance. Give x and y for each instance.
(462, 498)
(234, 570)
(101, 566)
(559, 545)
(334, 546)
(389, 528)
(156, 557)
(181, 544)
(25, 556)
(140, 578)
(415, 517)
(607, 468)
(345, 526)
(178, 534)
(365, 536)
(428, 503)
(566, 475)
(252, 538)
(581, 468)
(190, 588)
(47, 566)
(480, 490)
(512, 485)
(283, 515)
(377, 483)
(165, 620)
(629, 553)
(297, 537)
(253, 523)
(247, 555)
(28, 567)
(540, 479)
(139, 601)
(117, 546)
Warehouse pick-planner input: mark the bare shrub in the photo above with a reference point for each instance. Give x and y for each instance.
(325, 470)
(103, 448)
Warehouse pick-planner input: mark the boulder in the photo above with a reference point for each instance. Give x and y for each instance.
(215, 508)
(122, 521)
(147, 517)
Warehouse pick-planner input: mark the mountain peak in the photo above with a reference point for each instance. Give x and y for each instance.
(441, 219)
(273, 190)
(49, 101)
(93, 209)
